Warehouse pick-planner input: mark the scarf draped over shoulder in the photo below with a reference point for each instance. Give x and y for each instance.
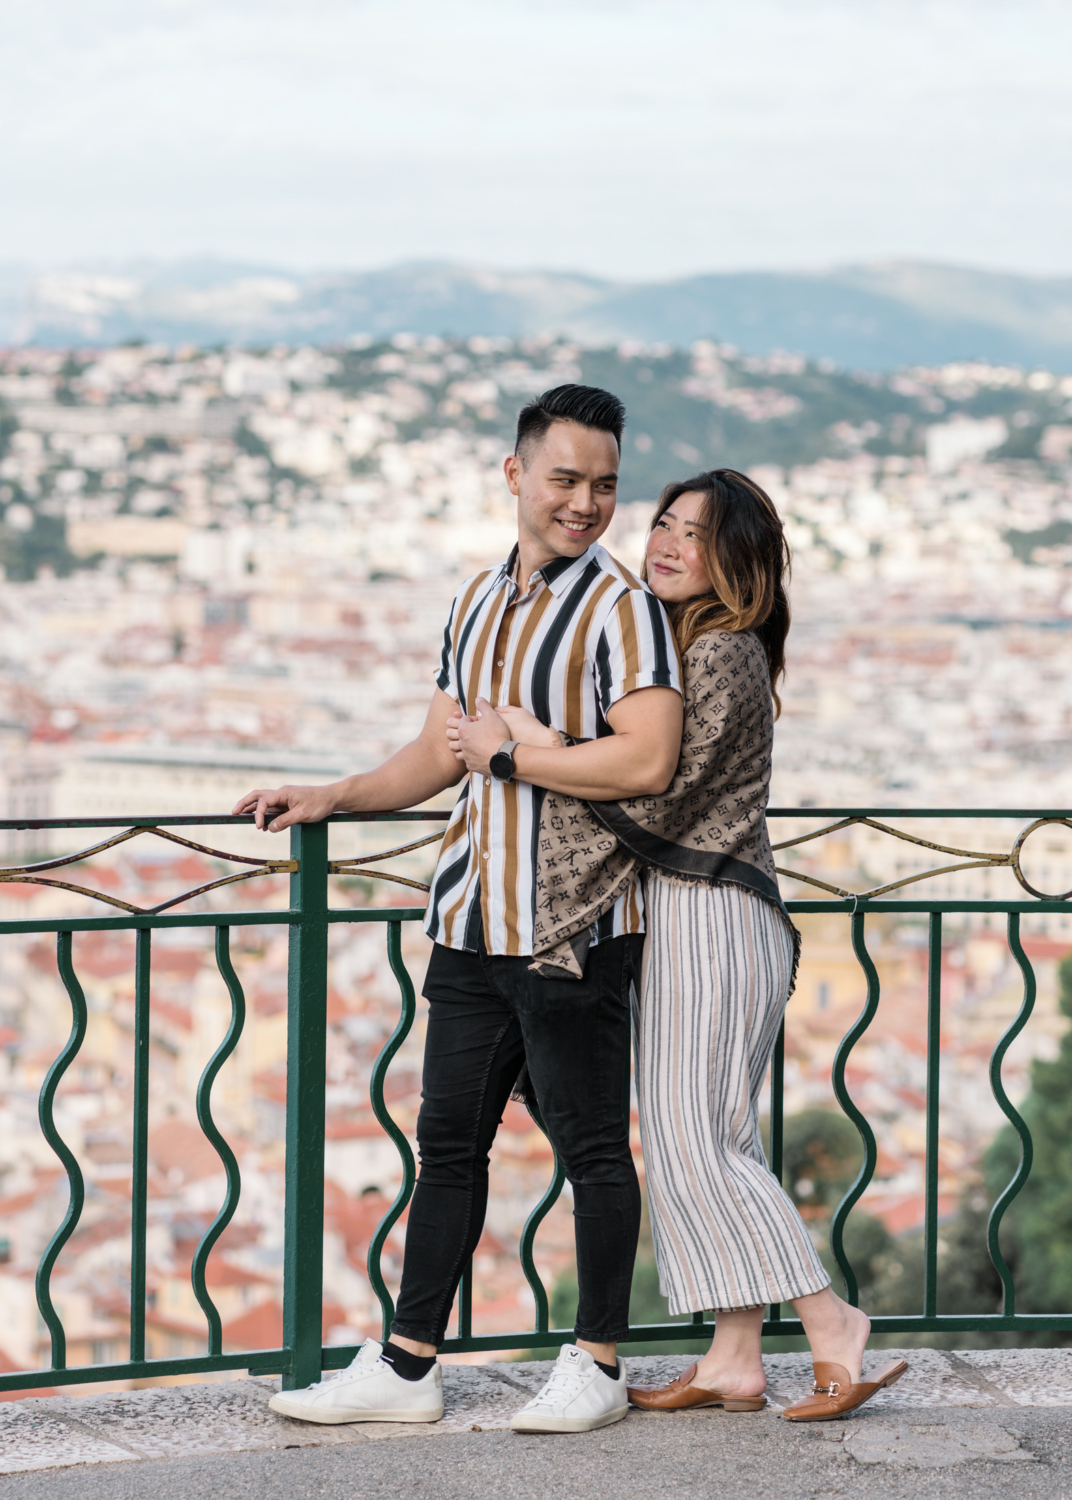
(708, 827)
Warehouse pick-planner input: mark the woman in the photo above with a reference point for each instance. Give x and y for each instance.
(719, 958)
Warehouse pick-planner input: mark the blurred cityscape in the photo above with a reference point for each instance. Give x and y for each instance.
(230, 567)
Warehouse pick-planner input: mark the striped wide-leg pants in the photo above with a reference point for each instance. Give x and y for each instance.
(717, 966)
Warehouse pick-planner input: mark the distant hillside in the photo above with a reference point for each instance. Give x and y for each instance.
(862, 317)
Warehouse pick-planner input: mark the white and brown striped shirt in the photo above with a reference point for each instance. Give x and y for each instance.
(584, 634)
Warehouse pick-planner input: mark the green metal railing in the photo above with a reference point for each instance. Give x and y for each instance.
(308, 917)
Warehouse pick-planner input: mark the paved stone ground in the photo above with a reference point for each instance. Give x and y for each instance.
(977, 1423)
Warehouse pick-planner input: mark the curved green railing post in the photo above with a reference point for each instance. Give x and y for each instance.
(379, 1108)
(139, 1174)
(63, 1151)
(997, 1213)
(532, 1223)
(867, 1135)
(219, 1145)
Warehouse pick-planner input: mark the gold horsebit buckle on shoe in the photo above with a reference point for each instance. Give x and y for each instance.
(830, 1390)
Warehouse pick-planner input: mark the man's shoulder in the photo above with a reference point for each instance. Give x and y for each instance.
(617, 570)
(468, 590)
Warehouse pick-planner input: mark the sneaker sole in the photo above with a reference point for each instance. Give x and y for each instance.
(537, 1423)
(332, 1418)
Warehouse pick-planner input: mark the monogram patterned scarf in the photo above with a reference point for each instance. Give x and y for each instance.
(709, 826)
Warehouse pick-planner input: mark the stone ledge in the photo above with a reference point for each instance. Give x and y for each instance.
(233, 1417)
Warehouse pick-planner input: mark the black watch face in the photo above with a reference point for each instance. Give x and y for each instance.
(502, 766)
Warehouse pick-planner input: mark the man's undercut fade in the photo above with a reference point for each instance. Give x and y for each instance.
(586, 405)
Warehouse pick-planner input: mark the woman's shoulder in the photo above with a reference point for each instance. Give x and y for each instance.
(716, 649)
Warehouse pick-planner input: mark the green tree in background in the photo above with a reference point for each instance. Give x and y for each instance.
(821, 1155)
(1036, 1233)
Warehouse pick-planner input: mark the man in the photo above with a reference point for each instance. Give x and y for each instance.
(564, 631)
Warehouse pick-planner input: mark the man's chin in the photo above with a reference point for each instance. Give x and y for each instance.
(571, 543)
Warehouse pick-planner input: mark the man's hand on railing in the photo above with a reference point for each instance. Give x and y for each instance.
(288, 804)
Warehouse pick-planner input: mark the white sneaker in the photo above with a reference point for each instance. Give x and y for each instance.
(577, 1397)
(368, 1390)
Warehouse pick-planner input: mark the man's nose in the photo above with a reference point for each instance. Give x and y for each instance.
(582, 499)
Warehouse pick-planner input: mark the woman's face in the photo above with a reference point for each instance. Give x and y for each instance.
(675, 552)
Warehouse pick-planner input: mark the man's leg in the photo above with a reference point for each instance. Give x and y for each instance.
(473, 1054)
(577, 1044)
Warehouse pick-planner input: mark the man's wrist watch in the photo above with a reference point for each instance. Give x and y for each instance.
(502, 762)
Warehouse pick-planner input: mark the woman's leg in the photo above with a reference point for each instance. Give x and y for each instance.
(716, 974)
(733, 1364)
(836, 1331)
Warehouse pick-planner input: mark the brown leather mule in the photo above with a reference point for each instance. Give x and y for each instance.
(680, 1394)
(833, 1394)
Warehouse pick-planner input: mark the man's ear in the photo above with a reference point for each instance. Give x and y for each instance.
(512, 468)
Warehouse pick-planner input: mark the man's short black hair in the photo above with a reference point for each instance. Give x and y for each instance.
(584, 404)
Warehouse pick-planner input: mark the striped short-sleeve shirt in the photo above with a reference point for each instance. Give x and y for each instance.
(584, 634)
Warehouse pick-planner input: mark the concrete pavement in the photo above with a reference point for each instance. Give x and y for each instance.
(977, 1423)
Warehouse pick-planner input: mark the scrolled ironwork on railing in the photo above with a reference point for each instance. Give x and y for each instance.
(31, 874)
(977, 859)
(308, 916)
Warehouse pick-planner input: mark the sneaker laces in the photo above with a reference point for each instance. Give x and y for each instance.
(357, 1369)
(561, 1382)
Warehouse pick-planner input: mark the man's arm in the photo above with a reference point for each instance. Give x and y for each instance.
(640, 757)
(421, 769)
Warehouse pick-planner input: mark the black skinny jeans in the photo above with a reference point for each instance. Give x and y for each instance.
(487, 1016)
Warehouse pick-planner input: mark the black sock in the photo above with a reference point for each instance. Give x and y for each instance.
(610, 1371)
(409, 1366)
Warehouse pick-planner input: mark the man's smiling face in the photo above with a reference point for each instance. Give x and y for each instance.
(566, 486)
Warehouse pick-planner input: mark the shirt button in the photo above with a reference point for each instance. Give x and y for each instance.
(487, 780)
(500, 664)
(485, 854)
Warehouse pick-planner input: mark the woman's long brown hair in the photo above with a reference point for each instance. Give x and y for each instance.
(747, 561)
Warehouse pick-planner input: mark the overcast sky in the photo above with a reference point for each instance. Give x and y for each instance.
(633, 138)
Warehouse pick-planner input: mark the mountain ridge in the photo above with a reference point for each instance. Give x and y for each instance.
(877, 315)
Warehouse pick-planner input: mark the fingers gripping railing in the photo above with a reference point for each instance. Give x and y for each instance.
(220, 1146)
(62, 1150)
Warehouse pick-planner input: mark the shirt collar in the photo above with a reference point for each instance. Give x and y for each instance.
(558, 574)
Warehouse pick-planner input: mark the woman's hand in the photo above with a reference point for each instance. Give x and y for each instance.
(527, 729)
(475, 738)
(498, 725)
